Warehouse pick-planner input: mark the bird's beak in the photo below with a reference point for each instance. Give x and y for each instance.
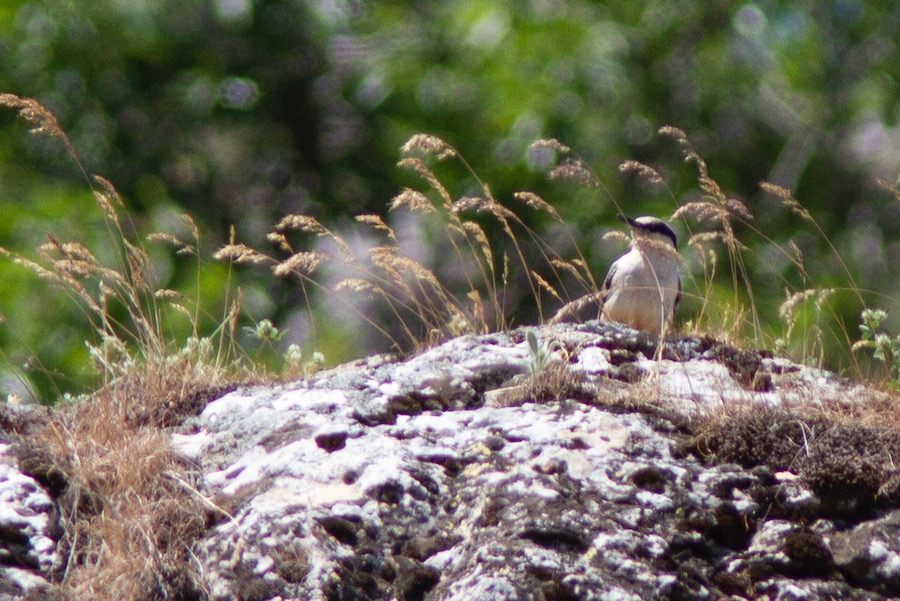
(627, 220)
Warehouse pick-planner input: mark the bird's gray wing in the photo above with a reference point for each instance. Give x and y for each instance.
(607, 283)
(607, 286)
(678, 295)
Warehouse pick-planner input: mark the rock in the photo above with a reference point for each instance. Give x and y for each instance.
(869, 553)
(27, 519)
(455, 475)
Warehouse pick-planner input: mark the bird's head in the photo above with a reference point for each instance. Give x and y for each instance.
(651, 228)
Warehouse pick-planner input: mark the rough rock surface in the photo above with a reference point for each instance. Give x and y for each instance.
(456, 475)
(27, 523)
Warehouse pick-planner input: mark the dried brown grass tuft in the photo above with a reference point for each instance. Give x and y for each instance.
(787, 198)
(551, 144)
(789, 306)
(428, 145)
(128, 523)
(301, 223)
(536, 202)
(723, 213)
(843, 446)
(128, 505)
(577, 269)
(412, 200)
(304, 263)
(574, 169)
(545, 285)
(377, 223)
(568, 166)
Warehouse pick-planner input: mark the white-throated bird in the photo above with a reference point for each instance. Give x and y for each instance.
(642, 288)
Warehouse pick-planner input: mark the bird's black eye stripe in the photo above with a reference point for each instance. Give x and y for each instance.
(662, 229)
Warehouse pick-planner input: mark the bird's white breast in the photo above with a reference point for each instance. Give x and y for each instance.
(642, 290)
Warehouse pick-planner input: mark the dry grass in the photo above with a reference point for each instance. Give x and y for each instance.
(844, 447)
(717, 217)
(128, 520)
(128, 505)
(424, 309)
(571, 311)
(720, 211)
(554, 384)
(106, 292)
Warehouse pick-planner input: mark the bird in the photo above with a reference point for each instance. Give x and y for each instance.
(643, 286)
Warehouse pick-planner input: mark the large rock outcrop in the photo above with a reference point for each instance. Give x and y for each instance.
(474, 471)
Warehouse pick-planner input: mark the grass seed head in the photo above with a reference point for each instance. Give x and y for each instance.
(417, 165)
(676, 134)
(536, 202)
(301, 223)
(428, 145)
(356, 285)
(787, 199)
(474, 230)
(40, 117)
(616, 236)
(240, 253)
(181, 247)
(412, 200)
(739, 209)
(301, 263)
(545, 285)
(575, 170)
(551, 144)
(639, 169)
(468, 204)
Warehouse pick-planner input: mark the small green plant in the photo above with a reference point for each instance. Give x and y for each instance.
(290, 364)
(266, 331)
(886, 348)
(540, 353)
(547, 378)
(297, 366)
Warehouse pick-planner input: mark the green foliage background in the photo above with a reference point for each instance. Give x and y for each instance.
(241, 111)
